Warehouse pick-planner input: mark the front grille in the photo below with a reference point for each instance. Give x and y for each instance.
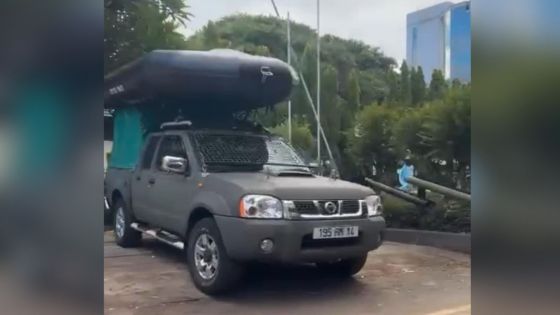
(318, 208)
(306, 207)
(350, 206)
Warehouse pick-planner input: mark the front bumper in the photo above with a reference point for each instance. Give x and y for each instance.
(293, 239)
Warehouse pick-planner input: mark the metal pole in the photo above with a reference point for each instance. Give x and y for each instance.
(438, 188)
(275, 8)
(310, 100)
(289, 44)
(399, 193)
(318, 85)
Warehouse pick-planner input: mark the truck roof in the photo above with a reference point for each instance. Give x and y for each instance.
(233, 126)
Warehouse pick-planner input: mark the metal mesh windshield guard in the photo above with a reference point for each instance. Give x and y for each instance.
(233, 150)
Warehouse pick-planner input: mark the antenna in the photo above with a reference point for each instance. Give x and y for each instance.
(289, 44)
(318, 86)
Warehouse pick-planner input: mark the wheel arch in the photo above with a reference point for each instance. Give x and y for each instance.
(197, 214)
(116, 195)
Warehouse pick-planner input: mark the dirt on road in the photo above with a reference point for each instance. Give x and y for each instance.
(397, 279)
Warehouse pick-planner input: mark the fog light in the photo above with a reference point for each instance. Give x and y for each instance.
(267, 245)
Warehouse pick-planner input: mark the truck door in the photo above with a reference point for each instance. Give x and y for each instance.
(143, 180)
(172, 190)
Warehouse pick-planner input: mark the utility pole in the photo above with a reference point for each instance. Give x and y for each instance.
(309, 97)
(289, 44)
(318, 86)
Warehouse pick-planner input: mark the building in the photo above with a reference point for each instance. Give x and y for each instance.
(439, 37)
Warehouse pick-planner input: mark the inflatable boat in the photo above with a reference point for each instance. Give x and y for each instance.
(224, 80)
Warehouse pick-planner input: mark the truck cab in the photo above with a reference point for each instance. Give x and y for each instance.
(241, 196)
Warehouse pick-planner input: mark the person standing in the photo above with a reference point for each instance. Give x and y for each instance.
(403, 173)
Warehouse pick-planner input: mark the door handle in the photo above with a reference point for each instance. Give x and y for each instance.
(151, 181)
(138, 178)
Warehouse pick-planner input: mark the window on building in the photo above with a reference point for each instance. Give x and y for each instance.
(414, 44)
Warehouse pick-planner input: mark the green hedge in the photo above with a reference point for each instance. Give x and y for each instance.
(447, 215)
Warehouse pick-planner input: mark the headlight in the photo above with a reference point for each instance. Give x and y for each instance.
(373, 204)
(260, 206)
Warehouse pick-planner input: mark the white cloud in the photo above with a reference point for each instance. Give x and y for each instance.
(380, 23)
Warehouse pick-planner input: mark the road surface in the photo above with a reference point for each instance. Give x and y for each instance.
(397, 279)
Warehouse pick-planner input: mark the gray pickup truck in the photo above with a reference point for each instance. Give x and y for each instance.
(232, 196)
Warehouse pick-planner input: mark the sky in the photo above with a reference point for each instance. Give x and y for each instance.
(379, 23)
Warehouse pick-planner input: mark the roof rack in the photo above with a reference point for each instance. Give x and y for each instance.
(173, 125)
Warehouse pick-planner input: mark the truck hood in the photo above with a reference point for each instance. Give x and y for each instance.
(286, 188)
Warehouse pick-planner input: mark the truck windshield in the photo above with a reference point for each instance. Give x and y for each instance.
(230, 152)
(282, 157)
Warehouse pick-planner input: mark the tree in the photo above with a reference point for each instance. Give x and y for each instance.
(405, 93)
(308, 66)
(135, 27)
(418, 86)
(406, 132)
(393, 85)
(354, 91)
(446, 131)
(212, 37)
(412, 76)
(438, 86)
(370, 139)
(330, 105)
(373, 87)
(456, 83)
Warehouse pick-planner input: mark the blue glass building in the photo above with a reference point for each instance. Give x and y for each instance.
(439, 37)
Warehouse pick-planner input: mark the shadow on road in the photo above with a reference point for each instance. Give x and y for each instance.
(289, 284)
(274, 284)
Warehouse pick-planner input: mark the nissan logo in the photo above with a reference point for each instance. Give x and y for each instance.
(330, 207)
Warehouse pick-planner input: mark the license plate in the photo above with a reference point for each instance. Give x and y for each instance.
(335, 232)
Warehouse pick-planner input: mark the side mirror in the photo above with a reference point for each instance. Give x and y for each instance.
(174, 164)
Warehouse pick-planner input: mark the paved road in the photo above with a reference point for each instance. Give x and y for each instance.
(398, 279)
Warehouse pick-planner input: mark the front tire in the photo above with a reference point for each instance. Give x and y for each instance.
(211, 269)
(344, 267)
(125, 236)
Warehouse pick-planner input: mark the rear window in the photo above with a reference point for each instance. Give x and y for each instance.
(244, 152)
(230, 149)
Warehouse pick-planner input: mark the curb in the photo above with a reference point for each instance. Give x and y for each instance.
(460, 242)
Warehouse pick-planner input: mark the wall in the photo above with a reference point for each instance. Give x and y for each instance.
(460, 42)
(428, 49)
(439, 37)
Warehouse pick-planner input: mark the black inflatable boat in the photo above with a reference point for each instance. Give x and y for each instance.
(216, 80)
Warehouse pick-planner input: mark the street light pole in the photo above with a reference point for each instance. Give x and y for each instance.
(318, 86)
(289, 44)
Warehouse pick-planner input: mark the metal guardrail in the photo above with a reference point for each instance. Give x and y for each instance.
(400, 193)
(439, 188)
(419, 200)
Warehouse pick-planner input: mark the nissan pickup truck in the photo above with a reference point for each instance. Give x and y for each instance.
(230, 196)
